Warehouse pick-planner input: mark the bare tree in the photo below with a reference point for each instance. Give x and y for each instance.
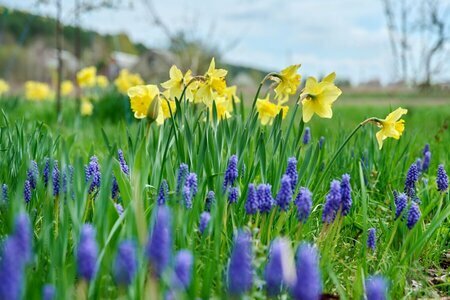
(436, 25)
(418, 34)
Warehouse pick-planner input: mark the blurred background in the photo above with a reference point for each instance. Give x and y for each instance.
(395, 49)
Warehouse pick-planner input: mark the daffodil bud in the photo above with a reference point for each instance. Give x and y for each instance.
(153, 109)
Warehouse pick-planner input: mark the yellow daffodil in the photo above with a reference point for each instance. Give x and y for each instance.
(221, 108)
(318, 97)
(393, 126)
(66, 87)
(37, 91)
(165, 108)
(230, 96)
(102, 81)
(288, 82)
(4, 87)
(87, 77)
(268, 111)
(86, 108)
(177, 83)
(214, 82)
(142, 98)
(126, 80)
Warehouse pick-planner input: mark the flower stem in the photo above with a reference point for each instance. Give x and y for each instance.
(339, 150)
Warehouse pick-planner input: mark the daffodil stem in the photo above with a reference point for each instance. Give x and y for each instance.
(259, 89)
(338, 151)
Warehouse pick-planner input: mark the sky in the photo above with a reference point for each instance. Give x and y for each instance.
(345, 36)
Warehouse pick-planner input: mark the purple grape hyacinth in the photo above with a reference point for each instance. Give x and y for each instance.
(205, 217)
(67, 179)
(264, 198)
(321, 142)
(159, 246)
(308, 284)
(87, 252)
(5, 192)
(11, 270)
(48, 292)
(411, 178)
(56, 177)
(126, 264)
(376, 288)
(187, 197)
(233, 195)
(303, 201)
(182, 269)
(419, 165)
(413, 215)
(332, 203)
(251, 205)
(240, 272)
(183, 171)
(441, 179)
(163, 192)
(191, 183)
(119, 208)
(93, 175)
(371, 239)
(346, 194)
(284, 195)
(27, 191)
(426, 161)
(23, 237)
(123, 164)
(210, 199)
(114, 188)
(46, 171)
(306, 136)
(426, 149)
(33, 174)
(231, 173)
(274, 273)
(400, 204)
(291, 171)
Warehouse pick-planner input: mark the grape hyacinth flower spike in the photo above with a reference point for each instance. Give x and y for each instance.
(346, 193)
(159, 246)
(371, 239)
(123, 164)
(183, 269)
(240, 272)
(87, 252)
(303, 201)
(441, 179)
(376, 288)
(306, 136)
(291, 171)
(332, 202)
(251, 204)
(205, 217)
(284, 195)
(231, 173)
(413, 215)
(308, 283)
(126, 264)
(163, 192)
(411, 178)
